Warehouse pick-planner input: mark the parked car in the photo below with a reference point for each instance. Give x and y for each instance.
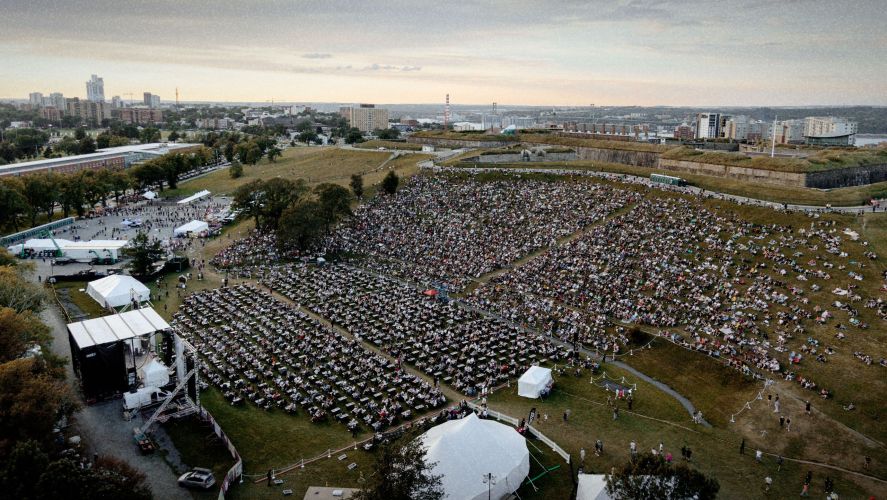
(198, 477)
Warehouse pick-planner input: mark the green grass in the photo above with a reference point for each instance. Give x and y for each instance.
(81, 300)
(198, 446)
(827, 159)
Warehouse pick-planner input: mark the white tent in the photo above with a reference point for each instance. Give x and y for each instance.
(465, 450)
(117, 290)
(193, 227)
(155, 374)
(194, 197)
(533, 382)
(149, 195)
(592, 487)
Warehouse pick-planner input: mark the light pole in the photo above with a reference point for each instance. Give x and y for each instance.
(489, 480)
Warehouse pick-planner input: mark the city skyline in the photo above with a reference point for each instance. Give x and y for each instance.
(750, 53)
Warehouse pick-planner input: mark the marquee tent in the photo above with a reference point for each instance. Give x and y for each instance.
(194, 197)
(117, 290)
(533, 382)
(592, 487)
(466, 449)
(193, 227)
(149, 195)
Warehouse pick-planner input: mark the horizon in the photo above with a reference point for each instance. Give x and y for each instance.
(649, 53)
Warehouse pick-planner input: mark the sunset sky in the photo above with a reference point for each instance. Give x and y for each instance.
(644, 52)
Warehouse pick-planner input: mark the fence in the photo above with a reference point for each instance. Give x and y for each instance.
(535, 432)
(11, 239)
(236, 470)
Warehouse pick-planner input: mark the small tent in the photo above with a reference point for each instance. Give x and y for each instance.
(154, 374)
(117, 290)
(466, 449)
(149, 195)
(592, 487)
(193, 227)
(533, 382)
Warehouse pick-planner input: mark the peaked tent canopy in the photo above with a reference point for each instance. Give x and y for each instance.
(194, 227)
(154, 374)
(466, 449)
(533, 382)
(117, 290)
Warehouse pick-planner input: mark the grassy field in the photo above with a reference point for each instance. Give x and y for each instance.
(542, 138)
(86, 304)
(267, 439)
(849, 196)
(827, 159)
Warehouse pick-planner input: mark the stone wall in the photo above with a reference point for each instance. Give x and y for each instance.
(459, 143)
(518, 157)
(742, 173)
(852, 176)
(625, 157)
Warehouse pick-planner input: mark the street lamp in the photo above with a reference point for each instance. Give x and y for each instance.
(489, 480)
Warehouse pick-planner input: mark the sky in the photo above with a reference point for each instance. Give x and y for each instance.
(545, 52)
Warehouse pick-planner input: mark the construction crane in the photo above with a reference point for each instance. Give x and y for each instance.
(47, 234)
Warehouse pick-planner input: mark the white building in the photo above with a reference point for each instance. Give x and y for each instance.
(57, 100)
(365, 117)
(116, 102)
(736, 128)
(95, 89)
(710, 125)
(829, 131)
(35, 99)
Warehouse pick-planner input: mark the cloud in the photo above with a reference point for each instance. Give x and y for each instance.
(317, 55)
(389, 67)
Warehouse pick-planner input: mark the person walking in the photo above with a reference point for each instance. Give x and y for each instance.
(781, 422)
(807, 407)
(615, 412)
(598, 447)
(581, 455)
(742, 447)
(788, 424)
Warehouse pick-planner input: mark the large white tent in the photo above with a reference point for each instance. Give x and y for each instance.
(154, 374)
(592, 487)
(194, 197)
(533, 382)
(117, 290)
(465, 450)
(193, 227)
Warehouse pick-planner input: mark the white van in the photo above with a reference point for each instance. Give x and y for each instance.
(143, 398)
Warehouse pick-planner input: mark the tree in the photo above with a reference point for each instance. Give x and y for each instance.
(71, 194)
(173, 136)
(19, 331)
(87, 145)
(38, 192)
(248, 199)
(21, 471)
(249, 152)
(273, 152)
(308, 136)
(387, 134)
(148, 135)
(401, 473)
(301, 226)
(650, 476)
(279, 193)
(357, 185)
(47, 152)
(32, 399)
(335, 203)
(236, 170)
(145, 252)
(80, 133)
(13, 203)
(353, 136)
(18, 293)
(390, 183)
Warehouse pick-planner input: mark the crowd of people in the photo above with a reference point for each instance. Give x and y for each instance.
(711, 282)
(256, 348)
(453, 345)
(450, 229)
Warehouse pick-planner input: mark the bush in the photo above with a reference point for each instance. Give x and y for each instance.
(236, 170)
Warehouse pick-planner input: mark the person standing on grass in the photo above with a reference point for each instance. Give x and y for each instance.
(788, 424)
(805, 490)
(615, 412)
(776, 404)
(582, 455)
(807, 407)
(781, 422)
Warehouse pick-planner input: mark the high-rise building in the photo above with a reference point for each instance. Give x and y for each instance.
(366, 117)
(90, 112)
(829, 131)
(683, 132)
(151, 100)
(57, 101)
(155, 101)
(95, 89)
(51, 114)
(139, 116)
(710, 125)
(116, 102)
(35, 99)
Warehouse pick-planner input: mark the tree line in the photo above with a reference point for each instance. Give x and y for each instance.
(25, 198)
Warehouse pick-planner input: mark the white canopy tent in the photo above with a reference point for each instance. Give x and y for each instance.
(149, 195)
(533, 382)
(465, 450)
(154, 374)
(194, 197)
(592, 487)
(116, 327)
(193, 227)
(117, 290)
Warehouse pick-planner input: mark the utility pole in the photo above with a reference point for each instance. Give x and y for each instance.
(773, 139)
(489, 480)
